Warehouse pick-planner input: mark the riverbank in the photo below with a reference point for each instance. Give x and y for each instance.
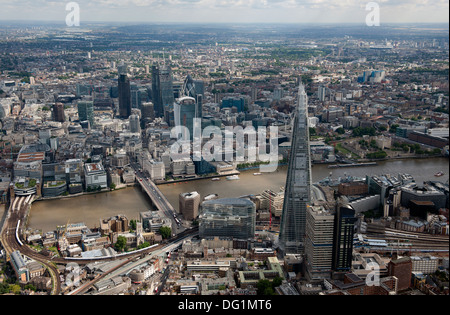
(84, 193)
(90, 208)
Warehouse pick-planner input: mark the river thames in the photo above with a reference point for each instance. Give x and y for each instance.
(89, 209)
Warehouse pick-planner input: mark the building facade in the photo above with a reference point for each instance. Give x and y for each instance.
(227, 218)
(298, 183)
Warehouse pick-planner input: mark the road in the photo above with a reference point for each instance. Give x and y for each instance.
(158, 199)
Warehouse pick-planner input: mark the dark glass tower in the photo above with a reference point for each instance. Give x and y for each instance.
(124, 96)
(58, 112)
(162, 86)
(344, 229)
(298, 183)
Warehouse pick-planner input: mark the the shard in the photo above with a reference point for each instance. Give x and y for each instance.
(298, 183)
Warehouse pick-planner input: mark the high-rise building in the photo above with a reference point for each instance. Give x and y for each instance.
(402, 269)
(162, 86)
(185, 111)
(135, 126)
(322, 92)
(58, 112)
(196, 89)
(319, 243)
(298, 183)
(86, 111)
(124, 96)
(148, 111)
(189, 204)
(231, 217)
(344, 229)
(254, 93)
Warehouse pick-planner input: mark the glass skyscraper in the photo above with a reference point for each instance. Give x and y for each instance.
(298, 183)
(162, 86)
(344, 229)
(124, 96)
(231, 217)
(86, 111)
(185, 111)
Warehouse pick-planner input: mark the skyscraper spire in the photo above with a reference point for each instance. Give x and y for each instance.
(298, 182)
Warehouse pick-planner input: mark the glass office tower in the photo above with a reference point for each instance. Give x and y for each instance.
(231, 217)
(298, 183)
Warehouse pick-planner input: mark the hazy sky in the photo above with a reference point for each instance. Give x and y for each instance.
(229, 11)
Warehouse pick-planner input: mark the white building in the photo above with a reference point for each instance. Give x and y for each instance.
(95, 175)
(424, 264)
(157, 170)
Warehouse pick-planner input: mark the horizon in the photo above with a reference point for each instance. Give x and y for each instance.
(228, 11)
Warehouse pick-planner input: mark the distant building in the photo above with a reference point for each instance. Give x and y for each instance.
(238, 102)
(135, 126)
(162, 88)
(58, 112)
(86, 111)
(148, 111)
(124, 96)
(185, 113)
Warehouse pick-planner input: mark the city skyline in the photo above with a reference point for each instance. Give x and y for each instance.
(229, 11)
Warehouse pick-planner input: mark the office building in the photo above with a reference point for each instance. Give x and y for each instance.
(189, 204)
(195, 89)
(20, 268)
(95, 175)
(322, 92)
(230, 102)
(147, 111)
(162, 87)
(135, 126)
(185, 111)
(401, 268)
(124, 96)
(58, 112)
(319, 243)
(86, 111)
(344, 229)
(231, 217)
(298, 183)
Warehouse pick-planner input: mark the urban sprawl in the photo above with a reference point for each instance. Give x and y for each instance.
(92, 110)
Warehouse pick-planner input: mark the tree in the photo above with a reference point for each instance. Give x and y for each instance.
(121, 243)
(144, 245)
(340, 131)
(166, 232)
(264, 287)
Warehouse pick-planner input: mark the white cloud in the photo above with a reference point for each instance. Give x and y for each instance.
(229, 10)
